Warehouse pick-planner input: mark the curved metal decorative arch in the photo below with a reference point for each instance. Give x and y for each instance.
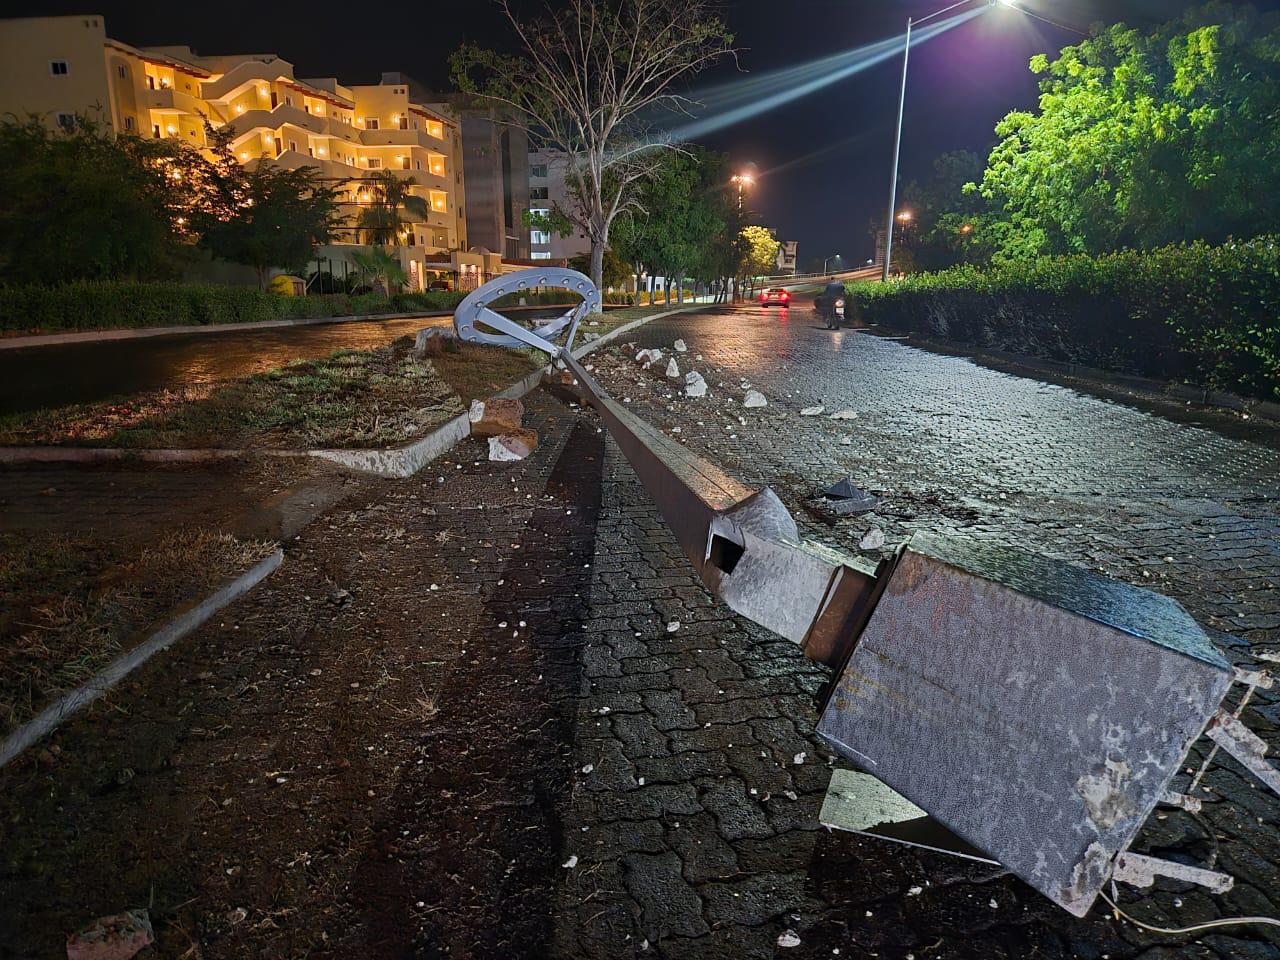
(475, 322)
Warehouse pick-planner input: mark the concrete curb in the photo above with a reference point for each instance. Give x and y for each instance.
(401, 462)
(113, 454)
(52, 716)
(1174, 391)
(138, 333)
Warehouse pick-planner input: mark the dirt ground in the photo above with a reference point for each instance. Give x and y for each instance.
(361, 758)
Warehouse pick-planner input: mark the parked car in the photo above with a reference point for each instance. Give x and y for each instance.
(830, 305)
(775, 295)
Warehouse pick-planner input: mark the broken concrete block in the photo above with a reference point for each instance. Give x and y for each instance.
(845, 415)
(694, 384)
(495, 416)
(680, 346)
(117, 937)
(754, 398)
(673, 369)
(513, 446)
(872, 540)
(812, 411)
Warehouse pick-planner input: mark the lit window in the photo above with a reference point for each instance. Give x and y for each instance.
(540, 237)
(58, 68)
(540, 255)
(371, 123)
(374, 163)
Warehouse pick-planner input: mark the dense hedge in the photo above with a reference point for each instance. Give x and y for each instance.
(1194, 313)
(99, 306)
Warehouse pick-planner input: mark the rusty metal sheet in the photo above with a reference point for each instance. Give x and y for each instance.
(1037, 710)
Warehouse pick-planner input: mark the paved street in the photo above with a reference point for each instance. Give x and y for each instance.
(462, 719)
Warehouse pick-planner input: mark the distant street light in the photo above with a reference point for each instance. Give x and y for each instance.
(897, 140)
(905, 216)
(828, 260)
(743, 181)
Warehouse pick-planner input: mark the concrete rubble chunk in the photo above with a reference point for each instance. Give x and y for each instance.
(694, 384)
(513, 446)
(754, 398)
(873, 539)
(433, 342)
(845, 414)
(648, 357)
(788, 939)
(117, 937)
(673, 369)
(495, 416)
(680, 347)
(812, 411)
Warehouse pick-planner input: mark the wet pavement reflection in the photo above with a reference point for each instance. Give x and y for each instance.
(36, 377)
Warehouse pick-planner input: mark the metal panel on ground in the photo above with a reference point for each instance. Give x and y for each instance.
(1035, 709)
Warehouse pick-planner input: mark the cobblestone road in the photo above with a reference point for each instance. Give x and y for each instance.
(695, 827)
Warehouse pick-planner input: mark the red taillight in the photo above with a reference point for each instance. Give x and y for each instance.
(785, 295)
(764, 297)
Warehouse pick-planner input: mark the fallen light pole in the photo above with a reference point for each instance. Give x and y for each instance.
(1002, 706)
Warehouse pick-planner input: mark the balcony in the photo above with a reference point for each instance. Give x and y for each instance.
(168, 100)
(395, 137)
(252, 120)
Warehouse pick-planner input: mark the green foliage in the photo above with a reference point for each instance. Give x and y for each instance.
(389, 194)
(104, 306)
(1142, 140)
(380, 267)
(1185, 312)
(940, 232)
(761, 254)
(81, 204)
(615, 271)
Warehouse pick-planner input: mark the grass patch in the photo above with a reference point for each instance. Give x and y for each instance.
(351, 398)
(613, 319)
(68, 605)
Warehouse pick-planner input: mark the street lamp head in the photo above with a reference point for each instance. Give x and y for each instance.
(1006, 3)
(904, 216)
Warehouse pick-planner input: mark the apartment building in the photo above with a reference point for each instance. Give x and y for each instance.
(547, 191)
(57, 67)
(497, 159)
(786, 261)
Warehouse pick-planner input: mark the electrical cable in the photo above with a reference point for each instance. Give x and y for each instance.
(1195, 928)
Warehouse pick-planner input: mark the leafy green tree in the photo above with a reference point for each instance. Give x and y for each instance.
(679, 216)
(943, 215)
(380, 268)
(389, 194)
(82, 204)
(616, 272)
(761, 251)
(1143, 139)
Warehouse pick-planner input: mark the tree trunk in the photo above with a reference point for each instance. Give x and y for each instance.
(597, 264)
(680, 289)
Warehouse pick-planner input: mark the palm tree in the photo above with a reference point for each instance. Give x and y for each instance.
(379, 266)
(388, 195)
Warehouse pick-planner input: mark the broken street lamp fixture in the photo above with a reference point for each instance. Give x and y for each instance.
(1001, 705)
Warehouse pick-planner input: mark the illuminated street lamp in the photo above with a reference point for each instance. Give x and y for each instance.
(742, 181)
(902, 102)
(828, 260)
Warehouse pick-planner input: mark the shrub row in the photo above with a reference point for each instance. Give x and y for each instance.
(100, 306)
(1189, 312)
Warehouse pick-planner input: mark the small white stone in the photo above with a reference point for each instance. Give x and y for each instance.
(571, 862)
(587, 768)
(788, 939)
(845, 415)
(798, 759)
(679, 346)
(673, 369)
(915, 891)
(673, 626)
(812, 411)
(872, 540)
(754, 398)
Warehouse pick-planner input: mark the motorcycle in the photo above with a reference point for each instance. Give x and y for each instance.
(830, 305)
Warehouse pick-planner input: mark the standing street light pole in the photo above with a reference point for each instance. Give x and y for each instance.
(897, 140)
(828, 260)
(742, 180)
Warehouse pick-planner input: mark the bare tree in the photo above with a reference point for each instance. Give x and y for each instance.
(590, 80)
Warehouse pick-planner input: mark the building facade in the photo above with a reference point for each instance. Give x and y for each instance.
(57, 67)
(547, 191)
(497, 162)
(786, 261)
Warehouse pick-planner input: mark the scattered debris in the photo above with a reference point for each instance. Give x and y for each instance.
(845, 414)
(812, 411)
(844, 499)
(695, 385)
(673, 369)
(788, 939)
(915, 891)
(571, 862)
(513, 446)
(495, 416)
(587, 768)
(680, 347)
(673, 626)
(798, 759)
(754, 398)
(872, 540)
(648, 357)
(117, 937)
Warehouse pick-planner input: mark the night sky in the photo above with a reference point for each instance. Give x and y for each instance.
(824, 159)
